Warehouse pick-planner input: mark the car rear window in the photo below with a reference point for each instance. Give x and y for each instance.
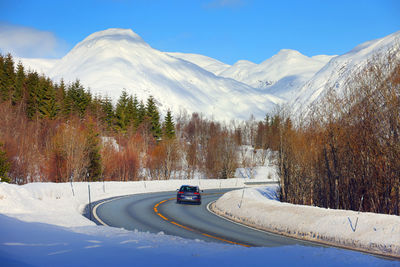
(189, 189)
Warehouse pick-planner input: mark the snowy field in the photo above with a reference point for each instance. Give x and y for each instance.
(41, 225)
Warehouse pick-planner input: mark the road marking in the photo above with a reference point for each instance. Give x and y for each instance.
(155, 208)
(98, 205)
(227, 241)
(159, 214)
(180, 225)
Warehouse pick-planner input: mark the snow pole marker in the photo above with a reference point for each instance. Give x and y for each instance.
(72, 187)
(90, 201)
(359, 209)
(241, 200)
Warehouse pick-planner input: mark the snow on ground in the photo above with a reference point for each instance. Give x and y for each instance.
(262, 165)
(37, 244)
(41, 225)
(259, 207)
(260, 173)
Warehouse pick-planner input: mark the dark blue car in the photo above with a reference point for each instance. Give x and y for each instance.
(188, 193)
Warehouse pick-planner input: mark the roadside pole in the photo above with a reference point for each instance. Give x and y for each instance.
(90, 202)
(72, 187)
(241, 200)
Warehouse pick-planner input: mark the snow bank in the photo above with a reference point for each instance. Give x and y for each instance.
(62, 203)
(259, 207)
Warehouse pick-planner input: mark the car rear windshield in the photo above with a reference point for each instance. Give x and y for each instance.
(189, 189)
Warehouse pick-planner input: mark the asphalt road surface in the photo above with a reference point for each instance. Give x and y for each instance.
(159, 212)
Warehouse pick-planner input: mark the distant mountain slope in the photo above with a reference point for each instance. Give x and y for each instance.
(342, 68)
(279, 75)
(40, 65)
(207, 63)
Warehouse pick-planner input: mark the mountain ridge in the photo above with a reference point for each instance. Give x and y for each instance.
(113, 60)
(338, 70)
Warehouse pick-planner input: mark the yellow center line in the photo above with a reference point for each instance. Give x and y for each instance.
(228, 241)
(155, 208)
(182, 226)
(159, 214)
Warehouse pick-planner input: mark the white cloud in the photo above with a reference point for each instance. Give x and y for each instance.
(29, 42)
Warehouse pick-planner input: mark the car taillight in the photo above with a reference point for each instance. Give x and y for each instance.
(197, 193)
(180, 192)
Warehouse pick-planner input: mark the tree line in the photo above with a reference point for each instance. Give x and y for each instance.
(343, 155)
(60, 132)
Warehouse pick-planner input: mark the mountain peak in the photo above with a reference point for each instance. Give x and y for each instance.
(289, 52)
(115, 34)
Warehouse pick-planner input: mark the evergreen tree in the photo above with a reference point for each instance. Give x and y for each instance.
(130, 110)
(4, 165)
(93, 151)
(77, 100)
(154, 117)
(47, 104)
(60, 93)
(141, 113)
(19, 84)
(121, 112)
(32, 85)
(135, 114)
(8, 80)
(108, 111)
(169, 126)
(68, 103)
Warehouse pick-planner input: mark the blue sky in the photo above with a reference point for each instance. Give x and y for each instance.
(228, 30)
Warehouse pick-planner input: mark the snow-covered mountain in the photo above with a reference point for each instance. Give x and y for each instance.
(341, 68)
(207, 63)
(110, 61)
(40, 65)
(116, 59)
(280, 75)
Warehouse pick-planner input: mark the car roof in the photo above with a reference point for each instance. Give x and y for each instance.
(190, 186)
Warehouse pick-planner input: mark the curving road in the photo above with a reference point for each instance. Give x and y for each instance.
(159, 212)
